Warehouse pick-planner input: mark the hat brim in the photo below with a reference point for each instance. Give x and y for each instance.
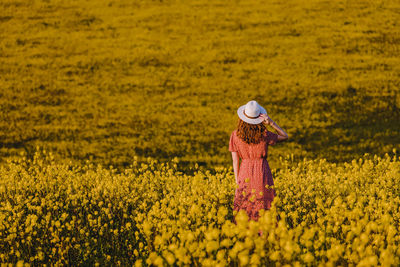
(248, 120)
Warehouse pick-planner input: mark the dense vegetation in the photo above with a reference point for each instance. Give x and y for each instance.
(134, 102)
(110, 80)
(152, 214)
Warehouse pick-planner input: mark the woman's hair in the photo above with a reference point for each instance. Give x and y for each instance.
(250, 133)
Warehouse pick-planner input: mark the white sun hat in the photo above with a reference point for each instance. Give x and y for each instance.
(250, 112)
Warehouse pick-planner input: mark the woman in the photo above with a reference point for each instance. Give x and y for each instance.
(250, 142)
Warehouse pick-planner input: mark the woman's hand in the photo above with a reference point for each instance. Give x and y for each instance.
(267, 119)
(282, 135)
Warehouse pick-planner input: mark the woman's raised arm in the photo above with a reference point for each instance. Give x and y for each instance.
(282, 135)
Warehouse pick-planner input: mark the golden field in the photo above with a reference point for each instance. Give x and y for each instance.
(110, 80)
(134, 102)
(152, 214)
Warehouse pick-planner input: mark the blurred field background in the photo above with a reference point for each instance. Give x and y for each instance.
(106, 81)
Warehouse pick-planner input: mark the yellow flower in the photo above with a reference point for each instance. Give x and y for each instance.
(170, 258)
(308, 258)
(212, 246)
(252, 198)
(243, 258)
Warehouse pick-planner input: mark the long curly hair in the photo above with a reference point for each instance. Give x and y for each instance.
(250, 133)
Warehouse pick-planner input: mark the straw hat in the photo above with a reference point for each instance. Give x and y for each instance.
(250, 112)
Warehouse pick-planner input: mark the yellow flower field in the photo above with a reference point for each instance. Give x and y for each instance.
(132, 103)
(152, 214)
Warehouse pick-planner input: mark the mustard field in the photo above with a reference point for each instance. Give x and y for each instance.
(115, 119)
(109, 80)
(152, 214)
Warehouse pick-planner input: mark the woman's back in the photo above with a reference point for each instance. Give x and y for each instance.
(252, 151)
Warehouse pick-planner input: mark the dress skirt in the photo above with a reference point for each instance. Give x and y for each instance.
(254, 178)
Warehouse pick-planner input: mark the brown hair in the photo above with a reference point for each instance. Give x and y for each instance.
(250, 133)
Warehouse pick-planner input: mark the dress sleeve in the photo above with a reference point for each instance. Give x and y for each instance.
(272, 138)
(232, 144)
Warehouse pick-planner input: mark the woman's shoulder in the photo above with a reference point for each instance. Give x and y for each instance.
(271, 137)
(234, 135)
(265, 133)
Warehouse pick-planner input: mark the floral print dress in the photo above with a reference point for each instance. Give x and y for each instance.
(252, 193)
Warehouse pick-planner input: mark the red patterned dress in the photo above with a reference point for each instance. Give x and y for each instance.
(254, 175)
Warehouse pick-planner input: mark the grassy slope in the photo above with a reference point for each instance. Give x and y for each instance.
(107, 80)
